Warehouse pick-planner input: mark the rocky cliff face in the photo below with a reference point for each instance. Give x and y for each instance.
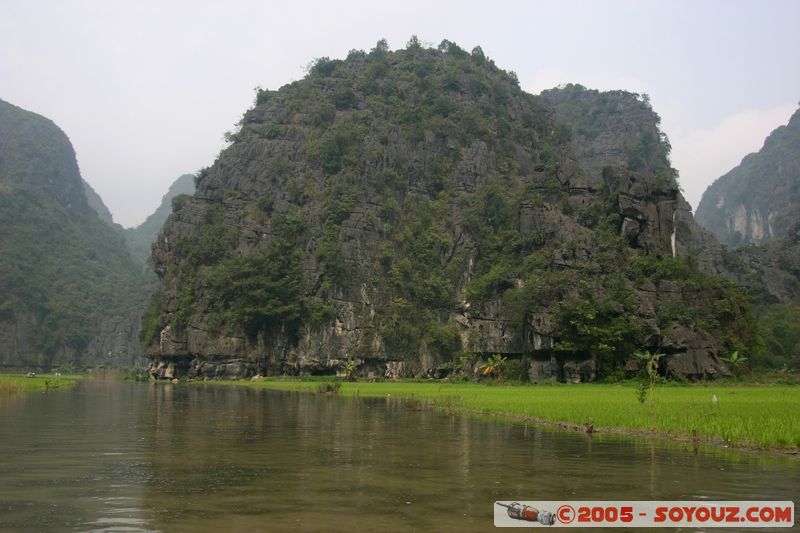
(69, 292)
(760, 199)
(415, 211)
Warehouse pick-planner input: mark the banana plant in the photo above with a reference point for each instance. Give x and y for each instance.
(735, 359)
(493, 367)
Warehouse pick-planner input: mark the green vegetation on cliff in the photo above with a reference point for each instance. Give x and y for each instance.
(64, 273)
(438, 213)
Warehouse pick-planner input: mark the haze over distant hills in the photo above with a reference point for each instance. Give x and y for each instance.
(140, 238)
(759, 199)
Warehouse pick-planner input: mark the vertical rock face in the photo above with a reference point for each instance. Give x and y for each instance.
(760, 199)
(621, 151)
(410, 211)
(69, 292)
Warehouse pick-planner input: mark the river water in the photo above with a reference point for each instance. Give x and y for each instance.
(118, 456)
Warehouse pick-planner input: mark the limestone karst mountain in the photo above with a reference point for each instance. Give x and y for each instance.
(414, 210)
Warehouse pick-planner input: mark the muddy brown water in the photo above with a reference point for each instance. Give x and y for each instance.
(115, 456)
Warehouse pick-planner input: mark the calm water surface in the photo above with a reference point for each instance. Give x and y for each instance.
(154, 457)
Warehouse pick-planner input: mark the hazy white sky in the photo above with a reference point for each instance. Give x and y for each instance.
(146, 90)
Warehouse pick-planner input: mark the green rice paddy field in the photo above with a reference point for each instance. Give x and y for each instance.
(751, 416)
(16, 383)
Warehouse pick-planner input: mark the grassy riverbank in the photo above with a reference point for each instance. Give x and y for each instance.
(17, 383)
(765, 417)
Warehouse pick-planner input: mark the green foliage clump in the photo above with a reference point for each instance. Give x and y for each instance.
(262, 291)
(648, 375)
(600, 323)
(516, 370)
(661, 268)
(151, 320)
(213, 242)
(258, 292)
(495, 282)
(491, 220)
(178, 202)
(337, 148)
(779, 330)
(329, 388)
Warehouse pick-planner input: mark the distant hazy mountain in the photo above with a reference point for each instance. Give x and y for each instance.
(70, 294)
(759, 199)
(142, 236)
(96, 203)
